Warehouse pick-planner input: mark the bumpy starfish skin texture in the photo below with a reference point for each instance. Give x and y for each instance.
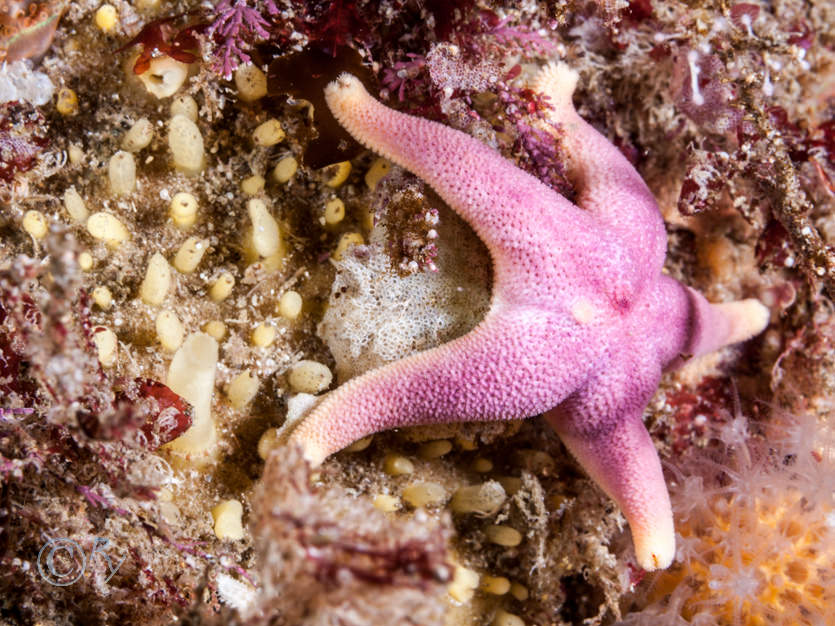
(582, 321)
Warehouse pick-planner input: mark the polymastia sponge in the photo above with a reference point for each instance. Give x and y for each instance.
(756, 532)
(375, 316)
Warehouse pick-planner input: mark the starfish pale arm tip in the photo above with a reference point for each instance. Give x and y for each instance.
(654, 536)
(747, 318)
(557, 81)
(312, 453)
(714, 326)
(342, 87)
(617, 452)
(654, 548)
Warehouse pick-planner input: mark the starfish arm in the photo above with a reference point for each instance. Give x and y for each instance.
(495, 197)
(607, 184)
(686, 325)
(621, 458)
(713, 326)
(503, 369)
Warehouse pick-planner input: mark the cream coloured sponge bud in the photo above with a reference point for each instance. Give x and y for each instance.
(108, 228)
(122, 173)
(346, 241)
(268, 442)
(106, 17)
(75, 206)
(269, 133)
(85, 261)
(397, 465)
(387, 503)
(157, 280)
(378, 170)
(184, 105)
(139, 135)
(503, 535)
(424, 494)
(107, 346)
(102, 297)
(266, 234)
(242, 389)
(341, 171)
(285, 169)
(170, 330)
(463, 585)
(263, 335)
(164, 76)
(503, 618)
(290, 304)
(434, 449)
(251, 83)
(309, 377)
(192, 376)
(186, 144)
(222, 287)
(34, 223)
(334, 211)
(497, 585)
(183, 209)
(253, 185)
(484, 499)
(215, 329)
(190, 254)
(228, 524)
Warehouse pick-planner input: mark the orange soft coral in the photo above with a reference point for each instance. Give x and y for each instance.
(756, 541)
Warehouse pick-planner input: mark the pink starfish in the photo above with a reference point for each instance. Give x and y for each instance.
(582, 322)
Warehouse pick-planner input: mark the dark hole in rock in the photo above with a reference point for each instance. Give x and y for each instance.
(305, 75)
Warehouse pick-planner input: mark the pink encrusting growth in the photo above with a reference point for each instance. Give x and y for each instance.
(234, 21)
(582, 321)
